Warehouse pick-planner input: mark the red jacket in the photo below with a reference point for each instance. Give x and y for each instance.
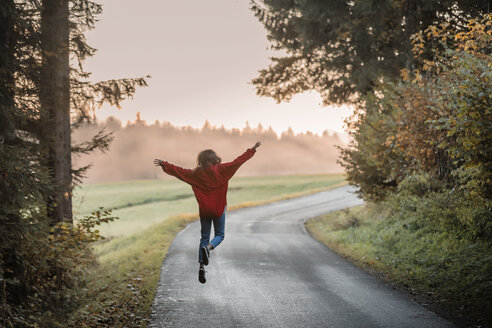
(209, 184)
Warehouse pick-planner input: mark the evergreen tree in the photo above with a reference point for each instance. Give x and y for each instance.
(342, 49)
(41, 99)
(22, 181)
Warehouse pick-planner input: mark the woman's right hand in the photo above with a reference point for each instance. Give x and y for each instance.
(258, 144)
(158, 162)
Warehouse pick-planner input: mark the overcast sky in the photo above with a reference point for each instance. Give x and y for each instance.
(202, 56)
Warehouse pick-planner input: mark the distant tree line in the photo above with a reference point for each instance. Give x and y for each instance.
(44, 95)
(137, 143)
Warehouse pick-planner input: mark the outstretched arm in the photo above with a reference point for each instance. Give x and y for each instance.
(176, 171)
(228, 169)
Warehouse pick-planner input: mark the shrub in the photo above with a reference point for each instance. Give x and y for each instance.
(56, 261)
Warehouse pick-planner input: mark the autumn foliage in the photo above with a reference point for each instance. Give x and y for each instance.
(435, 122)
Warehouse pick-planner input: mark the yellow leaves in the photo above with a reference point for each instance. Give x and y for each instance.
(418, 44)
(417, 78)
(488, 19)
(405, 74)
(475, 39)
(432, 31)
(477, 36)
(460, 36)
(428, 65)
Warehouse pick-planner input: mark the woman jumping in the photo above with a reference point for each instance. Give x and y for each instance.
(209, 181)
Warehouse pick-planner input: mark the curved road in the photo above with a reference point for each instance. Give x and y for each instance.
(269, 272)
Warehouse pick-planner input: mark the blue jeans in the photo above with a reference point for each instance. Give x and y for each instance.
(219, 229)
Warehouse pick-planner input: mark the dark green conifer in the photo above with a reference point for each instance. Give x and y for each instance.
(343, 48)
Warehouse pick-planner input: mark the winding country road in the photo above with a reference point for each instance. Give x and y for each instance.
(269, 272)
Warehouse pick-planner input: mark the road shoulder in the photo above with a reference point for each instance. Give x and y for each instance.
(332, 231)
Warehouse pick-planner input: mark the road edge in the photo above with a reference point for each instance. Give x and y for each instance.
(421, 299)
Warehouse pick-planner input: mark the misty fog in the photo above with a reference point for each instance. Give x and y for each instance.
(137, 144)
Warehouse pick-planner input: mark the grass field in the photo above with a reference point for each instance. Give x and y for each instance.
(121, 288)
(141, 204)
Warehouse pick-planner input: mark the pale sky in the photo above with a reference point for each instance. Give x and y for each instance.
(202, 56)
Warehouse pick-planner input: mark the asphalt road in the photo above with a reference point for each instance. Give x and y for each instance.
(269, 272)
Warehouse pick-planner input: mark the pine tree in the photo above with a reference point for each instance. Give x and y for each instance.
(342, 49)
(22, 181)
(42, 99)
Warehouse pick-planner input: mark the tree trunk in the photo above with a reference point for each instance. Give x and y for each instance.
(55, 105)
(410, 28)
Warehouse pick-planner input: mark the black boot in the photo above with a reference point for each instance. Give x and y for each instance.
(201, 275)
(205, 254)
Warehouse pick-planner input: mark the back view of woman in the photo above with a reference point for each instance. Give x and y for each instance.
(209, 181)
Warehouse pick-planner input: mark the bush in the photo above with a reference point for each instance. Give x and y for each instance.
(463, 209)
(436, 119)
(424, 142)
(56, 261)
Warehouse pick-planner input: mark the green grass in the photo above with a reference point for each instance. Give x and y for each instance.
(121, 288)
(141, 204)
(437, 266)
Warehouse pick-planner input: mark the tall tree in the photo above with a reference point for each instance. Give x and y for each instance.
(54, 97)
(8, 155)
(21, 179)
(41, 99)
(68, 98)
(342, 49)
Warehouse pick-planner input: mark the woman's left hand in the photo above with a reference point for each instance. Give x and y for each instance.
(158, 162)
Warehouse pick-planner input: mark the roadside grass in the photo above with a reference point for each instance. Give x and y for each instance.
(449, 273)
(121, 287)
